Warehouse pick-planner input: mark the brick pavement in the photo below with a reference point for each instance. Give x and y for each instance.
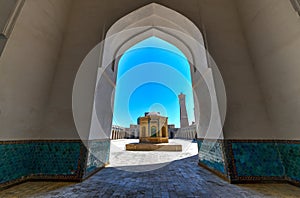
(129, 177)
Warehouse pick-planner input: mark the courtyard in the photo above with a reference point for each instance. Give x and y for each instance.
(151, 174)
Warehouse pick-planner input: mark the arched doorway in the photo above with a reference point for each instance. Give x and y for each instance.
(169, 25)
(164, 131)
(175, 29)
(153, 131)
(150, 76)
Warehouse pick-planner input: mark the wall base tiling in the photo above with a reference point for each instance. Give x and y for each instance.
(252, 161)
(41, 159)
(290, 155)
(98, 156)
(239, 161)
(211, 156)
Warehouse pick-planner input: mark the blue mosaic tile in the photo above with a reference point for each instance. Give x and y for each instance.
(251, 160)
(257, 159)
(290, 156)
(211, 155)
(19, 160)
(15, 161)
(98, 155)
(56, 158)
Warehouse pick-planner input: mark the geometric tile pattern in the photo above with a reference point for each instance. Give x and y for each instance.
(56, 158)
(43, 159)
(290, 155)
(180, 178)
(211, 154)
(51, 159)
(16, 161)
(255, 160)
(98, 155)
(245, 160)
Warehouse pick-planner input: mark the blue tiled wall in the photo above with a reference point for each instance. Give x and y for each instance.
(56, 158)
(15, 162)
(262, 159)
(211, 155)
(98, 155)
(251, 160)
(19, 160)
(290, 155)
(257, 159)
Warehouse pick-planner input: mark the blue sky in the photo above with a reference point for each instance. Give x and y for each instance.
(151, 75)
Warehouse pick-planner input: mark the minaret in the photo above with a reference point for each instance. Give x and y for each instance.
(184, 122)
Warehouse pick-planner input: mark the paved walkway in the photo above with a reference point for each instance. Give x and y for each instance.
(141, 161)
(152, 174)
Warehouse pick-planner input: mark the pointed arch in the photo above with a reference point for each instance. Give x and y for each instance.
(156, 15)
(171, 26)
(162, 22)
(150, 20)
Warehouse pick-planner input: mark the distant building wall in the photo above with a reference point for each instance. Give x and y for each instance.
(189, 132)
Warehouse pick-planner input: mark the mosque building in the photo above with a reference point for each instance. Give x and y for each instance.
(153, 128)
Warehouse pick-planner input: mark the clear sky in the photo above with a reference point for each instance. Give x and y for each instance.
(151, 75)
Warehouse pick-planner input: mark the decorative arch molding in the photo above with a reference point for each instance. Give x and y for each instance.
(162, 22)
(155, 15)
(94, 119)
(226, 158)
(169, 25)
(159, 33)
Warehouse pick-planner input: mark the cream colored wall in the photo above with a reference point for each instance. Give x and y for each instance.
(83, 33)
(246, 115)
(89, 21)
(27, 67)
(26, 87)
(272, 29)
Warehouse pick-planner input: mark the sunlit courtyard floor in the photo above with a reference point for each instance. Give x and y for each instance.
(137, 161)
(151, 174)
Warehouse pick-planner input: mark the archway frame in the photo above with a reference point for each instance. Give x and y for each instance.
(171, 26)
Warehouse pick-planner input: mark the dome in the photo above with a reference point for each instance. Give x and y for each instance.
(152, 114)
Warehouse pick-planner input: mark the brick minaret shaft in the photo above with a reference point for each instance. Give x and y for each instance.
(184, 122)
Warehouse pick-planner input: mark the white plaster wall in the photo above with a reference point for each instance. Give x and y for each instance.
(151, 14)
(246, 115)
(27, 67)
(5, 12)
(272, 29)
(89, 21)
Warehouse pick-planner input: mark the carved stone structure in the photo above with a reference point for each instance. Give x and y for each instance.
(153, 128)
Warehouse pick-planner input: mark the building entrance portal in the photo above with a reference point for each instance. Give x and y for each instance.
(153, 21)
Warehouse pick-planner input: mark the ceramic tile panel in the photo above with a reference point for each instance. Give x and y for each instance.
(211, 154)
(290, 155)
(98, 155)
(52, 159)
(257, 159)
